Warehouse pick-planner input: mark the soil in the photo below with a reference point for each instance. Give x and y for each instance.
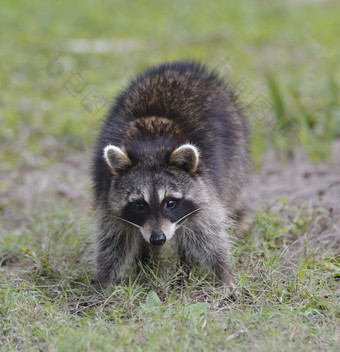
(313, 187)
(25, 193)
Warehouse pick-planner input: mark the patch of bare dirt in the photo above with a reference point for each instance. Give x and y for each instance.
(25, 193)
(315, 187)
(299, 180)
(28, 192)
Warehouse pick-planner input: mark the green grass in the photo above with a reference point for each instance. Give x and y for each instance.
(245, 40)
(285, 53)
(47, 303)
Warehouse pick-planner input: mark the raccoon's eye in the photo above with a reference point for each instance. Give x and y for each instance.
(140, 207)
(170, 204)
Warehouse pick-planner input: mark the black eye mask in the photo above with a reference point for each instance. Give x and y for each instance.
(171, 208)
(177, 211)
(136, 212)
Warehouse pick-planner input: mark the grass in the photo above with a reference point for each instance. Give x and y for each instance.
(247, 42)
(282, 58)
(48, 304)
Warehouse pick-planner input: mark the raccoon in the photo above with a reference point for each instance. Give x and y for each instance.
(170, 164)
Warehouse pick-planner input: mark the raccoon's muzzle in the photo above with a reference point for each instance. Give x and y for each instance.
(157, 238)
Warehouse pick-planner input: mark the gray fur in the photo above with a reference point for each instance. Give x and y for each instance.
(176, 134)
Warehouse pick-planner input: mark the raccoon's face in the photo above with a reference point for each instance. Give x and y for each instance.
(156, 200)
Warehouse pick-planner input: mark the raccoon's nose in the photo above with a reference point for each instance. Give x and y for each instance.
(157, 238)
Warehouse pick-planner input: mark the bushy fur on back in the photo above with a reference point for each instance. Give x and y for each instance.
(174, 135)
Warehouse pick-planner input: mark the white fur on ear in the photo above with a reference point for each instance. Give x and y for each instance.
(186, 156)
(116, 158)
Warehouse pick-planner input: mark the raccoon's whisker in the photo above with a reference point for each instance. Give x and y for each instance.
(185, 216)
(129, 222)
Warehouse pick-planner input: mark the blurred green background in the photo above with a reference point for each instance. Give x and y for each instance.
(282, 56)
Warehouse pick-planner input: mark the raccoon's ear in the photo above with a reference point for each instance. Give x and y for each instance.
(186, 156)
(116, 159)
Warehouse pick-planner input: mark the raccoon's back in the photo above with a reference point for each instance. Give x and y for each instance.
(201, 106)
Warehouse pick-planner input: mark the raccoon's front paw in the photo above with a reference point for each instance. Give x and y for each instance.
(102, 282)
(97, 286)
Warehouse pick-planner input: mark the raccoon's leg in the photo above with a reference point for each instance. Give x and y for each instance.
(146, 253)
(116, 254)
(209, 248)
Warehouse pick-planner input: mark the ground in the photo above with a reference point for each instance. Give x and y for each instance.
(62, 64)
(297, 201)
